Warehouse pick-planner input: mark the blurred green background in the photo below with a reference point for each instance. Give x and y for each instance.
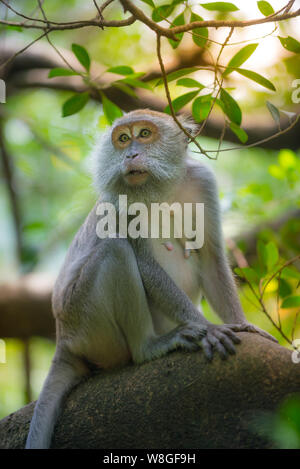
(49, 155)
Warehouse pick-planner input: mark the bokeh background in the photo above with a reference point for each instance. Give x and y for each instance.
(47, 191)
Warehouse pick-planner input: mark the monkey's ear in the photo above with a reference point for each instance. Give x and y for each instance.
(189, 124)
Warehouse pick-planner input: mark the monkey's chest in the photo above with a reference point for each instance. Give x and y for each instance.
(183, 271)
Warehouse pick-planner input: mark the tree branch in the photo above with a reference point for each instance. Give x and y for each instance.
(8, 171)
(138, 14)
(31, 70)
(179, 401)
(58, 26)
(25, 308)
(171, 33)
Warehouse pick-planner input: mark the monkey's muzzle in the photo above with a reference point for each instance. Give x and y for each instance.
(135, 174)
(136, 177)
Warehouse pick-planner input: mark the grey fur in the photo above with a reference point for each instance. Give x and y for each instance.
(117, 300)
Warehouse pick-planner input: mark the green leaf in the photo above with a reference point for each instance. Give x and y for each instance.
(284, 288)
(135, 83)
(178, 21)
(250, 275)
(162, 12)
(274, 112)
(219, 6)
(110, 109)
(177, 74)
(287, 159)
(35, 226)
(239, 132)
(61, 72)
(133, 75)
(287, 272)
(231, 107)
(238, 271)
(181, 101)
(201, 107)
(82, 56)
(189, 83)
(262, 253)
(276, 171)
(272, 255)
(125, 88)
(199, 35)
(121, 70)
(75, 104)
(291, 302)
(149, 2)
(290, 44)
(265, 8)
(257, 78)
(19, 29)
(261, 190)
(240, 57)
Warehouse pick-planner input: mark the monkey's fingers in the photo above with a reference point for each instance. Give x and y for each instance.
(235, 339)
(169, 246)
(217, 345)
(207, 348)
(226, 341)
(247, 327)
(193, 332)
(188, 345)
(265, 334)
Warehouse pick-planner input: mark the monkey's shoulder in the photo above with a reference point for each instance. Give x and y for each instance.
(198, 185)
(199, 173)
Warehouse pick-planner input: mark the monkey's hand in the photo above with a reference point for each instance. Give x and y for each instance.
(248, 327)
(220, 338)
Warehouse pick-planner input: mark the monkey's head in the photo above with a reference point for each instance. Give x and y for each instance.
(142, 155)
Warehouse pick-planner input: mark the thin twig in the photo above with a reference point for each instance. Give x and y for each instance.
(267, 139)
(105, 5)
(220, 85)
(165, 80)
(23, 50)
(277, 300)
(171, 33)
(138, 14)
(286, 264)
(8, 171)
(294, 326)
(51, 43)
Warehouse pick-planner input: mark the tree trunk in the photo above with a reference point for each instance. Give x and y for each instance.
(178, 401)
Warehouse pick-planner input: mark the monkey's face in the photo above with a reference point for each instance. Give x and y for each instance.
(141, 156)
(135, 139)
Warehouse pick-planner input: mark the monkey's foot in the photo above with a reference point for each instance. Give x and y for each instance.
(247, 327)
(189, 335)
(221, 338)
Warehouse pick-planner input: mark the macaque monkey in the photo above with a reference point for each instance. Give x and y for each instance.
(119, 299)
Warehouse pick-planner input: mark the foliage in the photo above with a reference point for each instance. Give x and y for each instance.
(50, 133)
(282, 427)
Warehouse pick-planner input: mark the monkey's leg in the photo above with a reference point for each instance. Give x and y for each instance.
(106, 321)
(118, 309)
(65, 372)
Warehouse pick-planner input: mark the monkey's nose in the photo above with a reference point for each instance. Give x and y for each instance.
(132, 156)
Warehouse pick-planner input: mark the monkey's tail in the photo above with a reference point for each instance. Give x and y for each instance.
(65, 372)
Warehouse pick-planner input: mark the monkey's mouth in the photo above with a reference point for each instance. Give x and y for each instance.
(136, 176)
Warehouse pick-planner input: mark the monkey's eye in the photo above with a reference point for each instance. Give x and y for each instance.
(144, 133)
(123, 138)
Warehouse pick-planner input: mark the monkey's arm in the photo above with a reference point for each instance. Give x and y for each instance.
(177, 305)
(217, 281)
